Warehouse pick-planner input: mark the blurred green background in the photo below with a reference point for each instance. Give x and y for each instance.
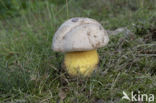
(9, 8)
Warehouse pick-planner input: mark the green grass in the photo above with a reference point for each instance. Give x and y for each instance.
(30, 70)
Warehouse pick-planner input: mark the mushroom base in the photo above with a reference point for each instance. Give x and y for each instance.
(81, 63)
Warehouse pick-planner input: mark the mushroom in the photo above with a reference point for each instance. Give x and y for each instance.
(79, 38)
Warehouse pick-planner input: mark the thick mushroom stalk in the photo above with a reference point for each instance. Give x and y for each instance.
(79, 38)
(81, 62)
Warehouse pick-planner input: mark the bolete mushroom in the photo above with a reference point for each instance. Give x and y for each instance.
(79, 39)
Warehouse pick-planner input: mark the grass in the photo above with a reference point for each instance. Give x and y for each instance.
(30, 70)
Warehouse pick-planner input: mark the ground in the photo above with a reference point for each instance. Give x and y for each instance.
(31, 71)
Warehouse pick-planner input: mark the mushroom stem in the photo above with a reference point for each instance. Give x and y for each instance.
(81, 62)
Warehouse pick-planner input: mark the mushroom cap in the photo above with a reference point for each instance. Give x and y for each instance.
(79, 34)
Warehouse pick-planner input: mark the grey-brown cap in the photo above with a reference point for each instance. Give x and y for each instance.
(79, 34)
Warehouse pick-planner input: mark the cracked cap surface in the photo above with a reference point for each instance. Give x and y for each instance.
(79, 34)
